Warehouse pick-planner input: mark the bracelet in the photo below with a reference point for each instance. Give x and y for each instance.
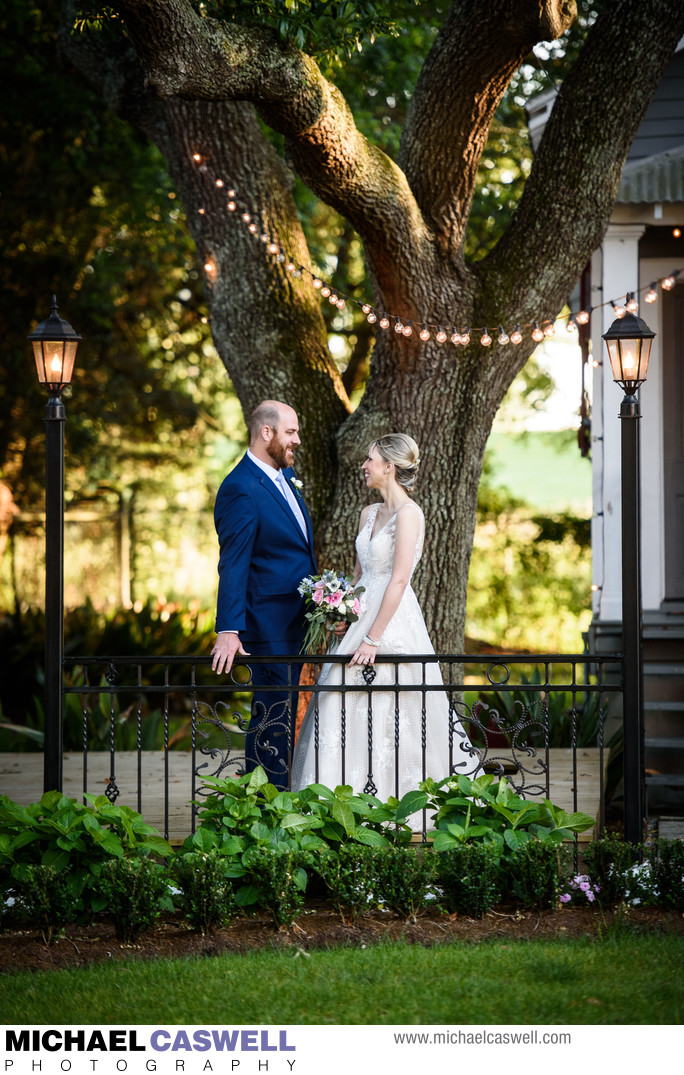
(369, 641)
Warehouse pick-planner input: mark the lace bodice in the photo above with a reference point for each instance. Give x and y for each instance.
(376, 554)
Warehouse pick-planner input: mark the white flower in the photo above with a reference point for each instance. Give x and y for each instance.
(298, 486)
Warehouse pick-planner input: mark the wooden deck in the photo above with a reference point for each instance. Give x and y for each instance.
(21, 778)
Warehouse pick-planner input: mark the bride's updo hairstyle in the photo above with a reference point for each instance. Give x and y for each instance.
(402, 450)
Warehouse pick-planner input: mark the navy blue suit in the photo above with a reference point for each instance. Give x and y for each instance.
(263, 557)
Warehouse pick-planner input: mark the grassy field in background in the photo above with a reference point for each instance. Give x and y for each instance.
(624, 977)
(544, 469)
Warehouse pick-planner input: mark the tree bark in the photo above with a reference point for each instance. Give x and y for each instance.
(189, 85)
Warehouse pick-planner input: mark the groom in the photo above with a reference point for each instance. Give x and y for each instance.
(266, 549)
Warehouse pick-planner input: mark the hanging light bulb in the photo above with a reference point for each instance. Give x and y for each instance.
(209, 268)
(465, 337)
(219, 183)
(424, 333)
(264, 237)
(365, 308)
(398, 327)
(201, 212)
(272, 248)
(652, 293)
(231, 206)
(503, 336)
(571, 326)
(197, 157)
(317, 283)
(325, 291)
(290, 267)
(246, 218)
(537, 334)
(384, 321)
(333, 298)
(516, 335)
(230, 193)
(550, 329)
(441, 335)
(669, 282)
(371, 319)
(341, 303)
(456, 337)
(632, 306)
(252, 227)
(485, 338)
(408, 328)
(582, 317)
(618, 309)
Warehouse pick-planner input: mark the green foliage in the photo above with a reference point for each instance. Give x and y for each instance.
(489, 811)
(666, 859)
(275, 881)
(531, 875)
(65, 835)
(610, 863)
(136, 892)
(468, 876)
(404, 878)
(46, 898)
(207, 897)
(350, 876)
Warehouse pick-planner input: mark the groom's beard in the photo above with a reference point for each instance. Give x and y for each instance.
(279, 454)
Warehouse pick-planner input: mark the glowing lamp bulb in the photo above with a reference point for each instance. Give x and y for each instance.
(341, 303)
(219, 183)
(652, 293)
(485, 338)
(456, 337)
(465, 337)
(537, 334)
(384, 322)
(231, 206)
(582, 317)
(631, 305)
(366, 308)
(571, 327)
(333, 299)
(676, 233)
(407, 329)
(56, 364)
(618, 310)
(230, 193)
(503, 337)
(441, 335)
(516, 335)
(398, 327)
(550, 329)
(246, 218)
(252, 227)
(371, 319)
(197, 157)
(325, 291)
(424, 333)
(668, 283)
(316, 282)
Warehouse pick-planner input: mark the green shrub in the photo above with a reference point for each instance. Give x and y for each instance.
(613, 865)
(404, 878)
(207, 896)
(531, 874)
(276, 882)
(666, 859)
(468, 876)
(350, 875)
(78, 839)
(46, 899)
(136, 892)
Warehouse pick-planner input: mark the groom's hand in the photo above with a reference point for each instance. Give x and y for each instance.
(226, 647)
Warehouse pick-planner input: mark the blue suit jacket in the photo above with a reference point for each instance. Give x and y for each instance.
(263, 557)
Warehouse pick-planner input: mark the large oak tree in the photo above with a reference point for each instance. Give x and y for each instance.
(205, 86)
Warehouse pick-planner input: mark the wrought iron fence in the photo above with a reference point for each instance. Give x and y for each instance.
(161, 726)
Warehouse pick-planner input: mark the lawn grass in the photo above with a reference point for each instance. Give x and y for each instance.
(621, 978)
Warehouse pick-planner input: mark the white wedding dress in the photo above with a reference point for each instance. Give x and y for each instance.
(382, 742)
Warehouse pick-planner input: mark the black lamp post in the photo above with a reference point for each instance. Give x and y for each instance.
(54, 347)
(629, 346)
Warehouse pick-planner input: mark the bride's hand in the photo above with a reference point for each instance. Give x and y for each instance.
(340, 628)
(365, 654)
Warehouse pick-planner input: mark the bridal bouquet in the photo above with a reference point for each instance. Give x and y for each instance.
(330, 599)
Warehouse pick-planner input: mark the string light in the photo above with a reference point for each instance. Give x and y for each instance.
(427, 330)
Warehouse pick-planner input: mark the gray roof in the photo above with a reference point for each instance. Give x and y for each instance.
(659, 178)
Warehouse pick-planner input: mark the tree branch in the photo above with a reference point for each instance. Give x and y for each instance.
(464, 77)
(570, 194)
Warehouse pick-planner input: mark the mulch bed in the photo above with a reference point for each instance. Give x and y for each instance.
(318, 927)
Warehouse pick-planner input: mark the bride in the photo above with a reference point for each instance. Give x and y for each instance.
(383, 742)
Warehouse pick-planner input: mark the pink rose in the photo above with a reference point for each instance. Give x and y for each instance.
(334, 599)
(356, 607)
(317, 596)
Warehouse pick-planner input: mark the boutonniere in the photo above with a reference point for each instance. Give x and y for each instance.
(298, 486)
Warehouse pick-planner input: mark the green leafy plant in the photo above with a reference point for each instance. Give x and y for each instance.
(610, 863)
(350, 875)
(468, 876)
(486, 810)
(666, 859)
(531, 874)
(275, 881)
(405, 878)
(206, 892)
(136, 892)
(46, 899)
(66, 835)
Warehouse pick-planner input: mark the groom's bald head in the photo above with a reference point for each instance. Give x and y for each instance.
(274, 433)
